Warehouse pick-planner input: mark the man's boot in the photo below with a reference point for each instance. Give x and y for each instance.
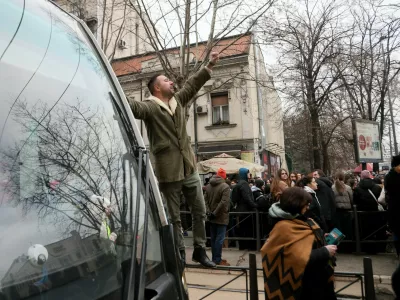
(200, 256)
(182, 253)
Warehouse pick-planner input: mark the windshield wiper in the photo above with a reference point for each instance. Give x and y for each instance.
(132, 274)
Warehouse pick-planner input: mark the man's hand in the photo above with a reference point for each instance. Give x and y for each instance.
(211, 216)
(214, 58)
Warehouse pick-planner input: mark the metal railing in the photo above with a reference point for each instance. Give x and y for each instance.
(365, 279)
(260, 233)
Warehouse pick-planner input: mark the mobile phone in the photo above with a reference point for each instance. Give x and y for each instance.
(334, 237)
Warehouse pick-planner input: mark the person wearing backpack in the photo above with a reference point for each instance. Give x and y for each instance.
(260, 198)
(366, 196)
(242, 198)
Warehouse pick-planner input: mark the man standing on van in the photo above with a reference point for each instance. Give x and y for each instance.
(164, 116)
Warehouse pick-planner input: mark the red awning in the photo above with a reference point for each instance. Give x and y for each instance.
(359, 168)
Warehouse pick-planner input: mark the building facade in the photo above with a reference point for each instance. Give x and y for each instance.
(117, 27)
(238, 111)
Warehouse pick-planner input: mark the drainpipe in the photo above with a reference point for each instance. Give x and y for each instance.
(259, 94)
(141, 99)
(196, 142)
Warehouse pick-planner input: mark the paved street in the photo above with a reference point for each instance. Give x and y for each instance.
(383, 264)
(202, 282)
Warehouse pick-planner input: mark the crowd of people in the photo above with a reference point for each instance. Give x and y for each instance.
(307, 206)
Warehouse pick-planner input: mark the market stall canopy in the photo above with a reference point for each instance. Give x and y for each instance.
(359, 168)
(230, 164)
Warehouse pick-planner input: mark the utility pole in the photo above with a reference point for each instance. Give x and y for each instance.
(396, 150)
(390, 142)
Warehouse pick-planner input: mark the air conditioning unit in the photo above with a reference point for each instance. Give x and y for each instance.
(201, 109)
(121, 44)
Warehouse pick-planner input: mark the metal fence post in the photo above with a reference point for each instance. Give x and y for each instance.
(253, 277)
(369, 279)
(258, 235)
(357, 230)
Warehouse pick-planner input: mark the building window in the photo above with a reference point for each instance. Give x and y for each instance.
(220, 108)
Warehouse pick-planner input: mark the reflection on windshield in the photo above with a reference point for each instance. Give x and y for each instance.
(67, 175)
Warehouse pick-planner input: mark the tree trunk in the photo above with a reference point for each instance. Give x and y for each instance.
(326, 167)
(315, 129)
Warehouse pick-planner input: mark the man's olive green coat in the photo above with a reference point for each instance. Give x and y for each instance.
(166, 130)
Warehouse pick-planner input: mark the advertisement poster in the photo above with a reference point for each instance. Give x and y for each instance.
(264, 162)
(274, 163)
(368, 146)
(247, 156)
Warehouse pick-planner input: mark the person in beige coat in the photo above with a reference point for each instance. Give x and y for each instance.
(164, 116)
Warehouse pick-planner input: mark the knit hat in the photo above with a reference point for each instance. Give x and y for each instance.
(395, 161)
(259, 183)
(221, 173)
(365, 174)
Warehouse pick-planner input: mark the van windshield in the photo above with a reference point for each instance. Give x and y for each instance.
(67, 172)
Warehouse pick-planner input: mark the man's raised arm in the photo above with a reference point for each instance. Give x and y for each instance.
(195, 83)
(141, 110)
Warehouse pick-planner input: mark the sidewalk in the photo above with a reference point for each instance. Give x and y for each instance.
(383, 264)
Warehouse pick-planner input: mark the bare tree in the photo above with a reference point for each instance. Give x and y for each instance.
(367, 65)
(308, 41)
(70, 155)
(179, 24)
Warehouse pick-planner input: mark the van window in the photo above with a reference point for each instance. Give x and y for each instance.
(68, 177)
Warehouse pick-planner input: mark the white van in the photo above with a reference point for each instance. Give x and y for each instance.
(78, 197)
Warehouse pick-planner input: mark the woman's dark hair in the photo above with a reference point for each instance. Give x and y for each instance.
(304, 181)
(294, 199)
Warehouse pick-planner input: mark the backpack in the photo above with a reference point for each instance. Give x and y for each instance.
(264, 202)
(235, 197)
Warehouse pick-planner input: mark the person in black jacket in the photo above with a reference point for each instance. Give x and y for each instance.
(243, 198)
(392, 189)
(366, 193)
(309, 184)
(261, 199)
(372, 226)
(326, 197)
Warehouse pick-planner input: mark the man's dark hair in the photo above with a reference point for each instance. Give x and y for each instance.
(395, 161)
(152, 81)
(294, 199)
(305, 180)
(320, 172)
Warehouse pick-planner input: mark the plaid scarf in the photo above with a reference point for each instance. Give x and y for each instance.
(285, 256)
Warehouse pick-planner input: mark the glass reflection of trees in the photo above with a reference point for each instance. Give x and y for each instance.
(74, 152)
